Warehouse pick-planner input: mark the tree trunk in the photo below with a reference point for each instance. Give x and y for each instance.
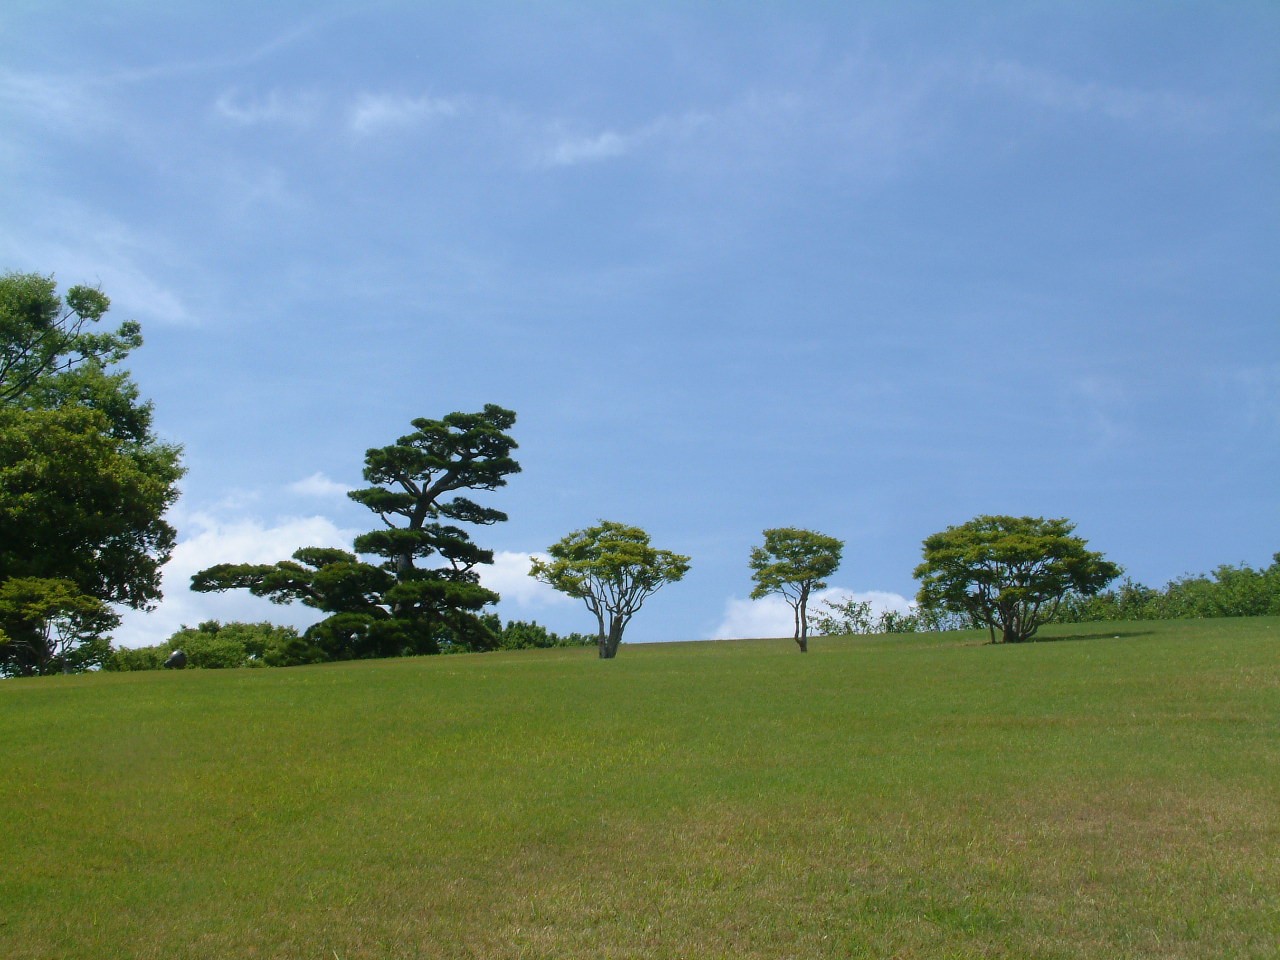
(801, 609)
(602, 638)
(609, 644)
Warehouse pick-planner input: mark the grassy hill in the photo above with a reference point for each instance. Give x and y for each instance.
(1112, 794)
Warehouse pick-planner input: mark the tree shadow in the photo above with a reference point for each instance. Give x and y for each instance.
(1122, 635)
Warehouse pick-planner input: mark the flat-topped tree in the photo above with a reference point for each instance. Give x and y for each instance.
(613, 570)
(398, 606)
(1009, 572)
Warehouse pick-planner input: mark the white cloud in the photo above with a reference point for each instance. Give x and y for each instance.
(374, 112)
(51, 100)
(769, 617)
(569, 149)
(509, 577)
(1066, 94)
(363, 115)
(772, 616)
(222, 541)
(277, 107)
(318, 485)
(574, 150)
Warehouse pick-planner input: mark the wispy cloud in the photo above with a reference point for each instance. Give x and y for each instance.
(373, 113)
(276, 108)
(1067, 94)
(364, 114)
(231, 61)
(565, 144)
(85, 246)
(53, 100)
(574, 150)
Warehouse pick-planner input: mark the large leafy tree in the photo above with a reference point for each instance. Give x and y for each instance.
(1009, 573)
(794, 563)
(79, 503)
(399, 603)
(613, 569)
(84, 482)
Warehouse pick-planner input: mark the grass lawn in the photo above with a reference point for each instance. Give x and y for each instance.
(1112, 794)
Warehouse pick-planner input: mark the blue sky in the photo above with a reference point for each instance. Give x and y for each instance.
(871, 269)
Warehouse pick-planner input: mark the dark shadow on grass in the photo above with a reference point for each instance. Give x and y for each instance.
(1122, 635)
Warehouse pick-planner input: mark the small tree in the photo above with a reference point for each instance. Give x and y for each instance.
(613, 570)
(1009, 572)
(48, 625)
(793, 563)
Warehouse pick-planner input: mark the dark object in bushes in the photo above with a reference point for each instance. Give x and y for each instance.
(177, 660)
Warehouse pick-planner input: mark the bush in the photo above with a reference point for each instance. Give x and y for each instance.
(124, 659)
(519, 635)
(208, 648)
(854, 617)
(524, 635)
(215, 646)
(1228, 592)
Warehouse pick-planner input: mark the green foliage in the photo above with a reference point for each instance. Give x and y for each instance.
(82, 504)
(130, 659)
(794, 563)
(213, 645)
(43, 335)
(1230, 591)
(841, 618)
(613, 569)
(1009, 572)
(84, 484)
(395, 607)
(208, 647)
(522, 635)
(845, 617)
(49, 626)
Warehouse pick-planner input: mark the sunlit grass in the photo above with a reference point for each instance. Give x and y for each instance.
(1112, 794)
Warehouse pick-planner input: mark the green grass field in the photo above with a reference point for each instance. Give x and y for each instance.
(1113, 794)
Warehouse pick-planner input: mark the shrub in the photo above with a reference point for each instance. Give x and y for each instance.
(1230, 591)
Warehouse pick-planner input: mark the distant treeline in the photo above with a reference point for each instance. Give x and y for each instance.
(214, 645)
(1229, 591)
